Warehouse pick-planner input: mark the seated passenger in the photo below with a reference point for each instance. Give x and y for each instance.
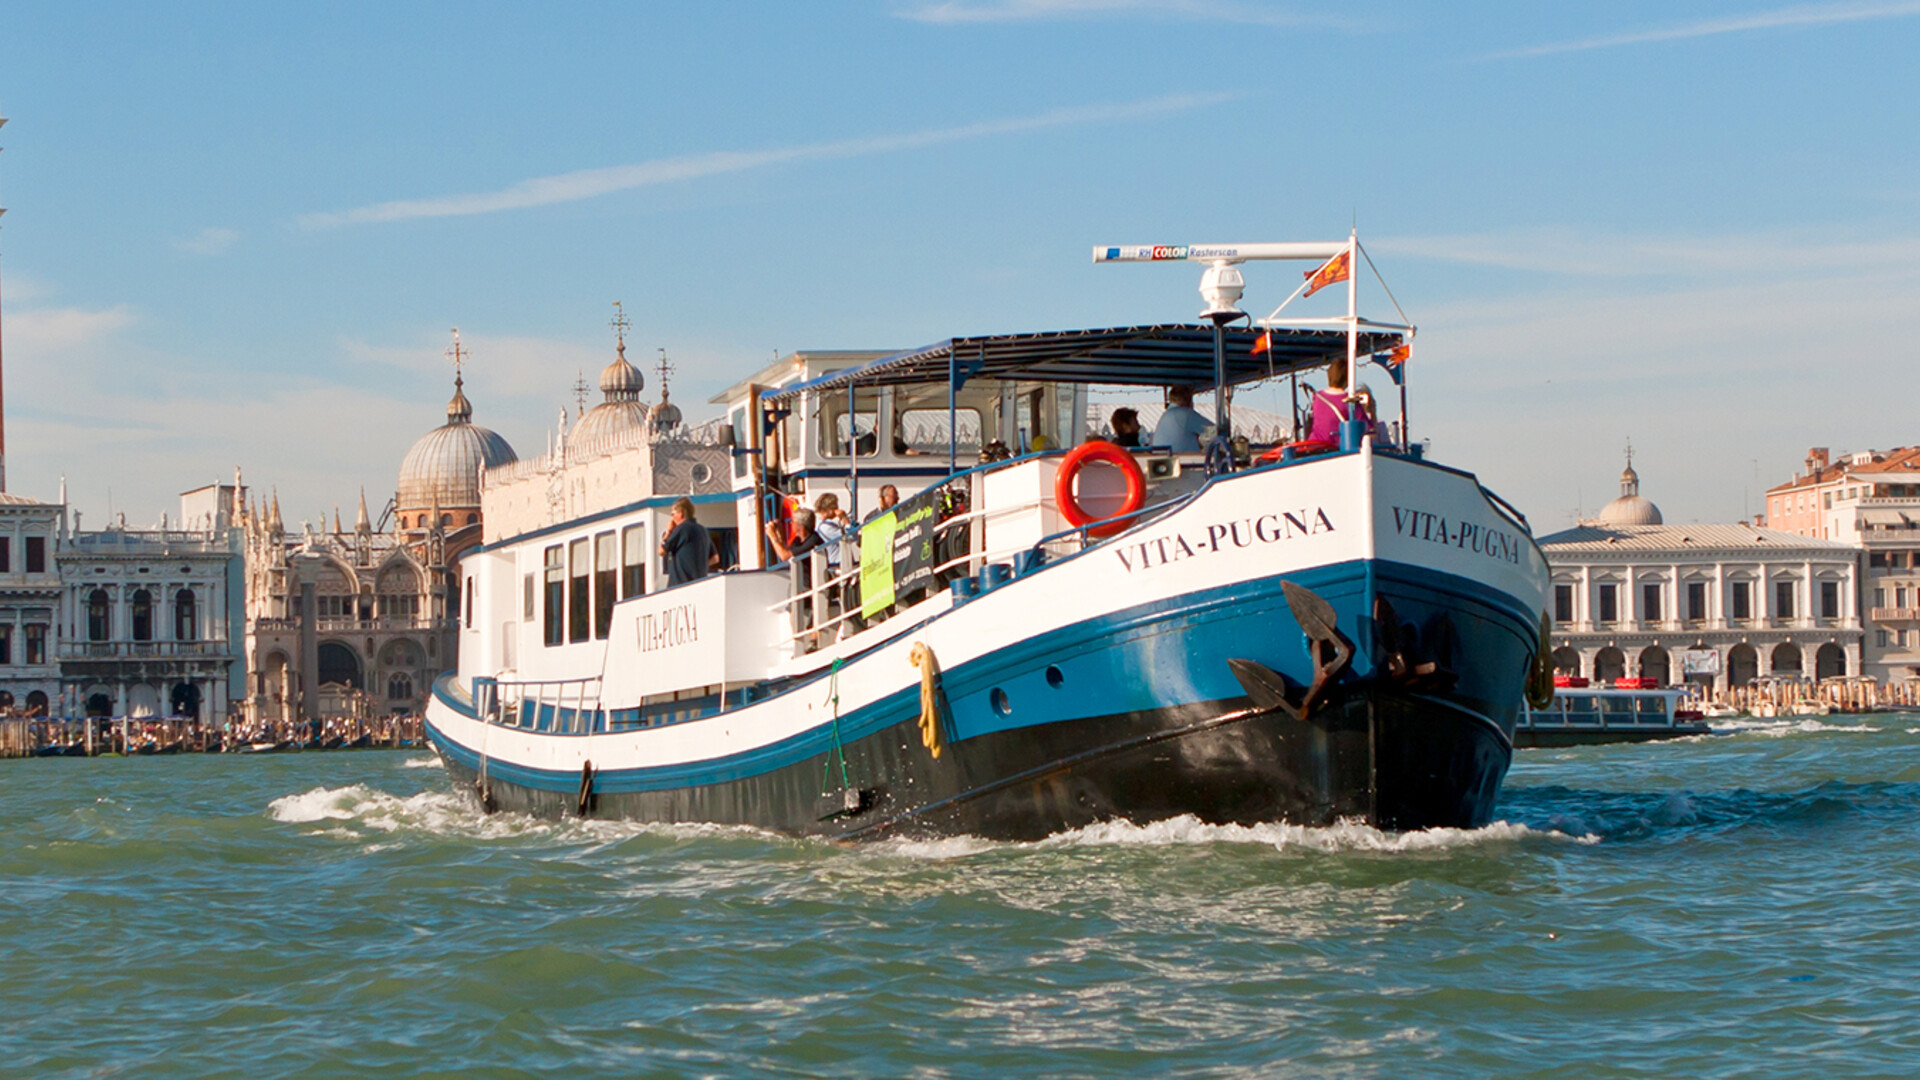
(1330, 406)
(1181, 426)
(1126, 428)
(831, 523)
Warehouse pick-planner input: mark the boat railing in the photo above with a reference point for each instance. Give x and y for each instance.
(558, 706)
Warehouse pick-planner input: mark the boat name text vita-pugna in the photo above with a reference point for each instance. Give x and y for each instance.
(1047, 630)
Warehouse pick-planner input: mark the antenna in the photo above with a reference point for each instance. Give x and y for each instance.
(665, 368)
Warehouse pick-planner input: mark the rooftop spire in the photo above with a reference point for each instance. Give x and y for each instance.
(459, 409)
(362, 523)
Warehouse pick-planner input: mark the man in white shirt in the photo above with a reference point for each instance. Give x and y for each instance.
(1180, 427)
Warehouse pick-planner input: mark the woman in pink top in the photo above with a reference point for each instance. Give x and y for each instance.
(1330, 406)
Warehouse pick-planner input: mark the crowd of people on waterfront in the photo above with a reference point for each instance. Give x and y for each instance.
(41, 737)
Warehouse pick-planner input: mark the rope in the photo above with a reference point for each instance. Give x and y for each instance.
(839, 750)
(922, 657)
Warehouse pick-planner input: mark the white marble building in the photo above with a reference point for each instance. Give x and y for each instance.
(30, 595)
(1635, 598)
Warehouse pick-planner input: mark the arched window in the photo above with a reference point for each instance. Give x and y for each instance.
(186, 617)
(400, 686)
(446, 519)
(473, 519)
(142, 615)
(99, 616)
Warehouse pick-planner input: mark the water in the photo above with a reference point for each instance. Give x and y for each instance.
(1732, 906)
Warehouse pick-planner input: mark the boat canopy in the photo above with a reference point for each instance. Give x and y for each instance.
(1165, 355)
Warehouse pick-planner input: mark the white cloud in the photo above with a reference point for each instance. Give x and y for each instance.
(209, 241)
(1777, 19)
(590, 183)
(53, 329)
(997, 11)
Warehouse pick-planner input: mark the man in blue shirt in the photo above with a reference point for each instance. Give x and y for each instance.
(1180, 427)
(687, 547)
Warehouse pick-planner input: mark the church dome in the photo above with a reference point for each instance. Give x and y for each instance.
(618, 421)
(1631, 508)
(443, 467)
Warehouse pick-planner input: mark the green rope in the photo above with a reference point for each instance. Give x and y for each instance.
(839, 751)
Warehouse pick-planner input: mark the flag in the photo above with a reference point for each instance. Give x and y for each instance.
(1393, 361)
(1265, 343)
(1337, 269)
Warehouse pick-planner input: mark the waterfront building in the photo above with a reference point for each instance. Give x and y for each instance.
(30, 536)
(147, 617)
(1869, 499)
(356, 623)
(1718, 605)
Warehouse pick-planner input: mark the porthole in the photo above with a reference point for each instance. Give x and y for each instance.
(702, 472)
(1000, 703)
(1055, 677)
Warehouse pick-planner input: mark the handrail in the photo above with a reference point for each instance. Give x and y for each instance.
(1170, 504)
(1513, 515)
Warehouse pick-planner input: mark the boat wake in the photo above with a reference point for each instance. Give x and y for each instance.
(453, 814)
(1779, 728)
(1187, 830)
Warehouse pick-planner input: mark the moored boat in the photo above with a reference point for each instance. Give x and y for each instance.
(1582, 715)
(1040, 641)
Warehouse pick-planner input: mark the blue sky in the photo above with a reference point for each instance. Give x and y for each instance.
(238, 235)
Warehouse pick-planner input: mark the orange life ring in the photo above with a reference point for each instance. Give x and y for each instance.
(1070, 470)
(1300, 449)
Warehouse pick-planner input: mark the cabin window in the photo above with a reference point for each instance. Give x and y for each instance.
(1783, 599)
(36, 554)
(36, 643)
(606, 581)
(1563, 603)
(1742, 600)
(1829, 599)
(1696, 599)
(841, 429)
(1609, 603)
(1650, 603)
(741, 440)
(633, 561)
(466, 610)
(924, 431)
(579, 593)
(556, 599)
(526, 598)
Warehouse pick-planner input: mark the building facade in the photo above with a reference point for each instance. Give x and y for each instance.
(1718, 605)
(1871, 500)
(30, 600)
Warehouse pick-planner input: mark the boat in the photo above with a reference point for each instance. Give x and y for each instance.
(1589, 715)
(1046, 632)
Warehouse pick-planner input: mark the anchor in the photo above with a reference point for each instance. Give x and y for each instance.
(1330, 649)
(1401, 655)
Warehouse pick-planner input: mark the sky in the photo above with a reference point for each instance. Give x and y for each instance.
(239, 235)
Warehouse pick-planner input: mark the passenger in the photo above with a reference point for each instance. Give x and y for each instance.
(686, 547)
(1181, 426)
(1126, 428)
(831, 522)
(809, 538)
(1330, 406)
(889, 498)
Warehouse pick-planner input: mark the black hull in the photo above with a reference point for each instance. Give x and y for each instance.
(1394, 760)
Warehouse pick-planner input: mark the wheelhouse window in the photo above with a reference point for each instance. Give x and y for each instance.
(186, 616)
(556, 598)
(99, 616)
(843, 429)
(606, 582)
(924, 431)
(579, 593)
(633, 561)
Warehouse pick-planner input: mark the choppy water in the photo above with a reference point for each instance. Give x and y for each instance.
(1734, 906)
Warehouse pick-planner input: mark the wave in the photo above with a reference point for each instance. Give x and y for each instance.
(449, 813)
(1187, 830)
(422, 763)
(1802, 725)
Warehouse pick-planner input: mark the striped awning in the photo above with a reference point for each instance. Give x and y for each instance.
(1167, 355)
